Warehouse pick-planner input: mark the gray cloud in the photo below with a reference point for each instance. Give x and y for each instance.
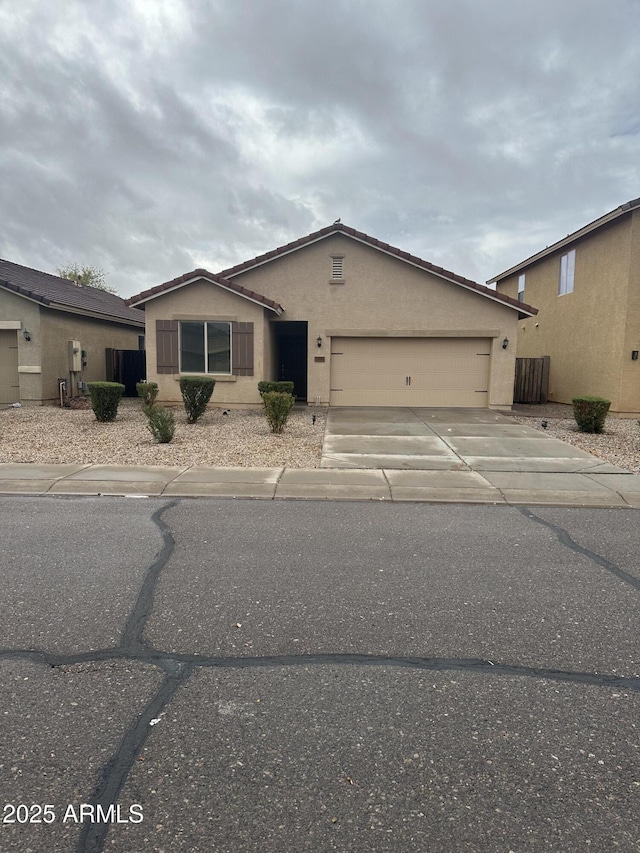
(148, 137)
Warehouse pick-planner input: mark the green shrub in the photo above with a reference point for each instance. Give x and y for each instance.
(283, 387)
(196, 393)
(147, 391)
(105, 397)
(160, 423)
(264, 387)
(590, 413)
(277, 407)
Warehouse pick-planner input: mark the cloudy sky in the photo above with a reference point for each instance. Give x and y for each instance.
(149, 137)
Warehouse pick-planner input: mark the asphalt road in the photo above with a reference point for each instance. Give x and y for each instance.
(211, 675)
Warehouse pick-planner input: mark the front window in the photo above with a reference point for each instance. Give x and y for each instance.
(521, 288)
(205, 347)
(567, 270)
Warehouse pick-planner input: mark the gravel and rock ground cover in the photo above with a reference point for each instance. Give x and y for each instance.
(619, 444)
(48, 434)
(241, 438)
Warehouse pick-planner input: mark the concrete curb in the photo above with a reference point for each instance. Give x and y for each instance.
(575, 489)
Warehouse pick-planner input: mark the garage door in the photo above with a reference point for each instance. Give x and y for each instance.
(410, 372)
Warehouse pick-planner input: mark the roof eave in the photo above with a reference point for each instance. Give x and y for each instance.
(162, 291)
(418, 263)
(625, 208)
(96, 315)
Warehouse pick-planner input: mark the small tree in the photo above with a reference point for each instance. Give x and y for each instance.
(86, 276)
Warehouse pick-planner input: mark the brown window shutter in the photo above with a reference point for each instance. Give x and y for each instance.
(242, 349)
(167, 346)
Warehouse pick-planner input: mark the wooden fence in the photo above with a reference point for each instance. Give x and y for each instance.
(532, 380)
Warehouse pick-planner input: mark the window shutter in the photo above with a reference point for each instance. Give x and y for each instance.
(242, 349)
(167, 346)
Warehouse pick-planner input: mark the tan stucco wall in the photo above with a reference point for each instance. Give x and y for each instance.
(205, 301)
(381, 296)
(583, 332)
(95, 337)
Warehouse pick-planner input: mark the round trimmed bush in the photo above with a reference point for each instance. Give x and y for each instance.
(105, 397)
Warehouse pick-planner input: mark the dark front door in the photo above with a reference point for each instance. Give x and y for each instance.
(291, 338)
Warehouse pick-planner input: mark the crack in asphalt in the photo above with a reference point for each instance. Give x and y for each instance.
(114, 774)
(132, 635)
(167, 660)
(570, 543)
(178, 668)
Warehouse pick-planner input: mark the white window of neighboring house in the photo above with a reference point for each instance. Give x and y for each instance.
(205, 347)
(337, 272)
(521, 288)
(567, 270)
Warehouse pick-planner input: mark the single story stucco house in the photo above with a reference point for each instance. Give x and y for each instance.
(350, 320)
(39, 314)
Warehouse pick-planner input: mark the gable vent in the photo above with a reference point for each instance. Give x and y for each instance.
(336, 267)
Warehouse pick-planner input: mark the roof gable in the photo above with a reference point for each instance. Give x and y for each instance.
(218, 280)
(63, 294)
(570, 238)
(386, 248)
(224, 279)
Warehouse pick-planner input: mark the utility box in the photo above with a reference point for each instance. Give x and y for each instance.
(75, 356)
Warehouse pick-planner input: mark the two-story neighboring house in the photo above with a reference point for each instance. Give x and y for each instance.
(587, 291)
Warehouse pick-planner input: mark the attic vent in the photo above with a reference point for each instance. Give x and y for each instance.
(336, 267)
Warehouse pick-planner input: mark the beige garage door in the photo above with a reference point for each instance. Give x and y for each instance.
(9, 379)
(410, 372)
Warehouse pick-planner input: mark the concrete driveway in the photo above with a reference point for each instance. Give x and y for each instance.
(474, 453)
(447, 440)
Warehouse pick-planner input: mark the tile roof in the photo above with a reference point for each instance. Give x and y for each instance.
(627, 207)
(216, 279)
(60, 293)
(336, 228)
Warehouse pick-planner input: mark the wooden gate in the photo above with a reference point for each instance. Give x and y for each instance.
(532, 380)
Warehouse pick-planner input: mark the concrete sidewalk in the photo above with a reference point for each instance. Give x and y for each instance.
(583, 489)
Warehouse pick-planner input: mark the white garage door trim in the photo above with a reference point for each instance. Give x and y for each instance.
(413, 372)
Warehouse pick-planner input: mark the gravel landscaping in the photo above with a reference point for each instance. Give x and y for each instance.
(619, 444)
(242, 438)
(49, 434)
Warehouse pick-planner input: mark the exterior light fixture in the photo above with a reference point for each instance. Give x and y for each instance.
(26, 335)
(505, 343)
(319, 341)
(634, 355)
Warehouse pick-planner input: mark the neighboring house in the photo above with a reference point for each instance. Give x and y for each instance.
(587, 290)
(350, 320)
(39, 314)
